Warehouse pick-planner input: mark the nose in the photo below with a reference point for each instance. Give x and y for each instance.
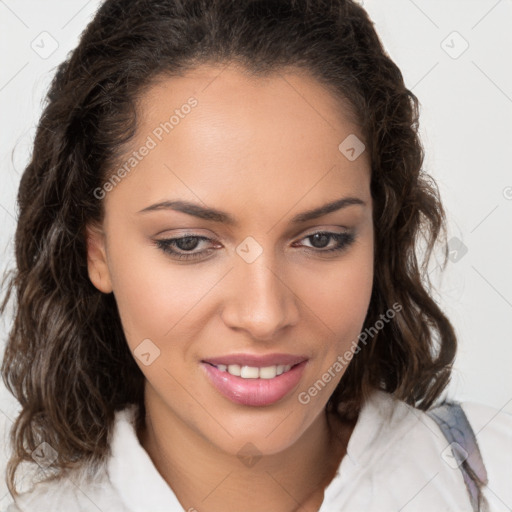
(259, 301)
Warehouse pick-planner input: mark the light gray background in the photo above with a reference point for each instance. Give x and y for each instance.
(466, 125)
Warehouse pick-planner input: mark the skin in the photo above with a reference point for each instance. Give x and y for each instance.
(262, 150)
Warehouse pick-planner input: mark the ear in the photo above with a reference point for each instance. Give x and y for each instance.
(97, 266)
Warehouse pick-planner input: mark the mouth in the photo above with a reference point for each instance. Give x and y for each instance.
(255, 380)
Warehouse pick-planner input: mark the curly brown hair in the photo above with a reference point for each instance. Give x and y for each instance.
(67, 361)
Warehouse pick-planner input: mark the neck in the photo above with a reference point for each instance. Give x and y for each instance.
(203, 477)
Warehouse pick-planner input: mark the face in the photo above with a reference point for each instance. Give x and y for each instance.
(219, 261)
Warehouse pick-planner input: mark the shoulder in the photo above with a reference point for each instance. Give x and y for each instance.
(403, 430)
(493, 432)
(81, 489)
(396, 460)
(71, 491)
(410, 447)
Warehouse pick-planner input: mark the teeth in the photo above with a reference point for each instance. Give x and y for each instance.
(249, 372)
(234, 369)
(253, 372)
(269, 372)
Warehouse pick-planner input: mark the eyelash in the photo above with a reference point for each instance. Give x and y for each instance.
(344, 240)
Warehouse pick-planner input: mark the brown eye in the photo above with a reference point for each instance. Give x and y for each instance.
(187, 244)
(181, 247)
(320, 240)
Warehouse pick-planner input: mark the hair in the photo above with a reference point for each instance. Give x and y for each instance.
(66, 359)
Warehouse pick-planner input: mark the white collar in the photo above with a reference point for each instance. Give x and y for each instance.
(142, 488)
(132, 472)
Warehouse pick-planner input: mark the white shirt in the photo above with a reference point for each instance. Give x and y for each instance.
(394, 463)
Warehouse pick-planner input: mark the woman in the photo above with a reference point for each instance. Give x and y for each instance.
(219, 305)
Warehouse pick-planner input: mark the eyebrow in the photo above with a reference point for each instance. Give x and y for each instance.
(215, 215)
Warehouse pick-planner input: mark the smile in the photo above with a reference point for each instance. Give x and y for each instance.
(255, 380)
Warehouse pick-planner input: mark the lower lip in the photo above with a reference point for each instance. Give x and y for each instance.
(254, 392)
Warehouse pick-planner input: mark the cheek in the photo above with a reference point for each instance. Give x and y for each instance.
(341, 302)
(342, 294)
(152, 294)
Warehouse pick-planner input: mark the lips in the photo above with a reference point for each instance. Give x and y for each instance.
(254, 380)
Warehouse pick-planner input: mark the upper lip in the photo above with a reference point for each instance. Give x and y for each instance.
(260, 361)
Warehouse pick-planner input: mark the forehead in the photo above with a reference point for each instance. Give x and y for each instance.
(237, 98)
(218, 131)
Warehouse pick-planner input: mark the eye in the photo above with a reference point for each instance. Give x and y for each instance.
(182, 247)
(321, 239)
